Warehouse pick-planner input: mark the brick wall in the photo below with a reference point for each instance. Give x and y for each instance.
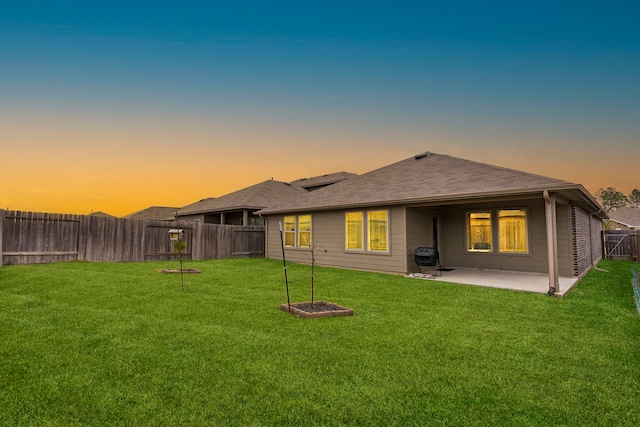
(587, 244)
(596, 239)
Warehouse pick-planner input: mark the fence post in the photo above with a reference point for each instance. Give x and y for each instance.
(1, 228)
(196, 241)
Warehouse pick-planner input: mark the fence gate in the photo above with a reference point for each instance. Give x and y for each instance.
(621, 244)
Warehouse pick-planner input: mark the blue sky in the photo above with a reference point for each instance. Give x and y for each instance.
(116, 95)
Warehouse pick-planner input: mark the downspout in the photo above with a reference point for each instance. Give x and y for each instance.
(552, 241)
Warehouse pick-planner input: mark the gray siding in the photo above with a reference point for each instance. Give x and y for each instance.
(419, 233)
(412, 227)
(329, 244)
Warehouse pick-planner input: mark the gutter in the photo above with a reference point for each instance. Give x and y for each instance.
(552, 241)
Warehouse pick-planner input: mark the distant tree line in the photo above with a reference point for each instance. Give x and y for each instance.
(612, 199)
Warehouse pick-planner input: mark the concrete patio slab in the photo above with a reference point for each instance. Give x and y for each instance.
(517, 281)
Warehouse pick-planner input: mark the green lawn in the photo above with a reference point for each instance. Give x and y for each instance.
(120, 344)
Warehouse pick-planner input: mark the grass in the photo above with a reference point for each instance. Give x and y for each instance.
(120, 344)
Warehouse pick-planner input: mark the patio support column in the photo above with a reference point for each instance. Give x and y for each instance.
(245, 217)
(221, 217)
(552, 241)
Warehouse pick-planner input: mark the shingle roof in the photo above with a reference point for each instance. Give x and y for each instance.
(102, 214)
(320, 181)
(159, 213)
(425, 177)
(256, 197)
(626, 216)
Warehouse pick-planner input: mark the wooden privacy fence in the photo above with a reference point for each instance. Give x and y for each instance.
(621, 244)
(32, 238)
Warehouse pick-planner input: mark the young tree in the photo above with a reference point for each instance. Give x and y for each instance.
(179, 247)
(611, 198)
(634, 198)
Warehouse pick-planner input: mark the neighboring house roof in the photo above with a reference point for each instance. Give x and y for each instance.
(158, 213)
(317, 182)
(629, 217)
(428, 177)
(102, 214)
(256, 197)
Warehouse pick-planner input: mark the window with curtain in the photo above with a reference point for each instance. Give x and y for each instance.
(289, 231)
(512, 227)
(354, 231)
(479, 232)
(304, 231)
(377, 230)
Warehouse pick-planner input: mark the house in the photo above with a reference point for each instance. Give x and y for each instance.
(156, 213)
(476, 215)
(238, 208)
(625, 219)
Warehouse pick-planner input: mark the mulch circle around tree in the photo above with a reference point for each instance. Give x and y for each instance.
(184, 270)
(317, 309)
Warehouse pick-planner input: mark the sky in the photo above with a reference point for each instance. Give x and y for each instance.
(112, 106)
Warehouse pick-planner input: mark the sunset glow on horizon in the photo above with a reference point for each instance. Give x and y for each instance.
(118, 107)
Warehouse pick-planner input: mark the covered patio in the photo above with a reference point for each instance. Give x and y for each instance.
(517, 281)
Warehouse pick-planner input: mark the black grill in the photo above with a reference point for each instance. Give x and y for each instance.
(426, 257)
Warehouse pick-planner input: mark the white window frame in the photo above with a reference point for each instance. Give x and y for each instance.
(386, 212)
(296, 232)
(467, 226)
(287, 232)
(364, 232)
(300, 231)
(495, 230)
(526, 225)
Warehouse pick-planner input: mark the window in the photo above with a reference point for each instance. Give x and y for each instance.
(304, 231)
(479, 231)
(297, 231)
(256, 221)
(512, 232)
(512, 226)
(377, 221)
(376, 227)
(290, 231)
(354, 231)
